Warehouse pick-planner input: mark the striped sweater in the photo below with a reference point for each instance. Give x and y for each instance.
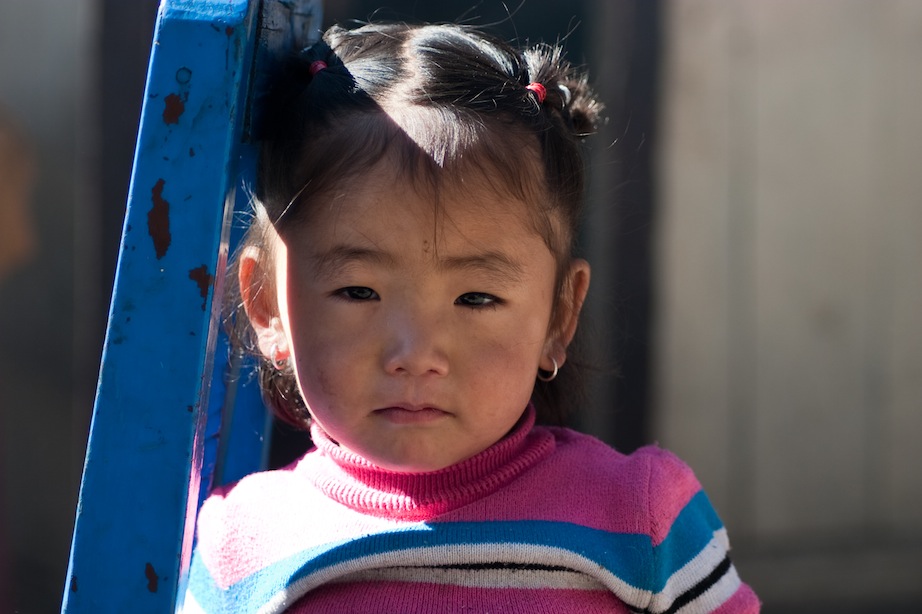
(546, 520)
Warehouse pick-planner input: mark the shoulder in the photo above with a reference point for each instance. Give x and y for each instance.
(653, 492)
(259, 504)
(252, 494)
(671, 490)
(643, 491)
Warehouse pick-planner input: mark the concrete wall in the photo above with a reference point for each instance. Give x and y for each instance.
(789, 354)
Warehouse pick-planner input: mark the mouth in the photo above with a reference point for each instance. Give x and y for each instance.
(411, 413)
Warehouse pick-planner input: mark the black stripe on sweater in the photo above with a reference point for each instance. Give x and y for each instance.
(490, 566)
(697, 590)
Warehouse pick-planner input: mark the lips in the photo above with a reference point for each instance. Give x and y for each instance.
(411, 414)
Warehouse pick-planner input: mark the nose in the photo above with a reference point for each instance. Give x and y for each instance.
(416, 344)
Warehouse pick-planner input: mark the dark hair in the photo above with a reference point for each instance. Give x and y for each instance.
(447, 100)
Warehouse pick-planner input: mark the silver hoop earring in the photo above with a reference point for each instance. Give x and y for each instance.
(548, 378)
(278, 364)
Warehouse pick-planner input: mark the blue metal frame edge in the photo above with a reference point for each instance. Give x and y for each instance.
(132, 540)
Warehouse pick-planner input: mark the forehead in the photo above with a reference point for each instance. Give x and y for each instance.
(384, 204)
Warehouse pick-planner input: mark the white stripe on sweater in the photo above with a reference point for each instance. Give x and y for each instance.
(715, 596)
(690, 574)
(442, 555)
(482, 578)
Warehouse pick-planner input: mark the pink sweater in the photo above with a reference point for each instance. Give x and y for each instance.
(546, 520)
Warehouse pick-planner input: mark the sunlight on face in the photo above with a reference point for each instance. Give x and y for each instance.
(415, 338)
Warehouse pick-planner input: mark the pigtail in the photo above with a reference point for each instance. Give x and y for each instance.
(313, 81)
(567, 89)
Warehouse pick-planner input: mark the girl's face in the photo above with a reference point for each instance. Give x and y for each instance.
(416, 339)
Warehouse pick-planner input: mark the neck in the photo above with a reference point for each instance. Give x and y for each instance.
(354, 481)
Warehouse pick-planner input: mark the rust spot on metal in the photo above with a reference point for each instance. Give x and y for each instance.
(174, 106)
(158, 220)
(152, 579)
(204, 280)
(229, 31)
(73, 584)
(191, 153)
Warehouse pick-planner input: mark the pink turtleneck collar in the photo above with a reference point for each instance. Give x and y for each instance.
(353, 481)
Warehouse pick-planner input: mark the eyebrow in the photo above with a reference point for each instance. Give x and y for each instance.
(492, 263)
(336, 259)
(339, 257)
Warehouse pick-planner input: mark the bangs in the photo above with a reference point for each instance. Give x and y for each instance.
(441, 152)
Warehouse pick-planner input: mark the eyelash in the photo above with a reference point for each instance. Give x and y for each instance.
(485, 300)
(491, 301)
(349, 294)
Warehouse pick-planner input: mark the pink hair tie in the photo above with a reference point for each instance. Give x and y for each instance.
(316, 66)
(539, 91)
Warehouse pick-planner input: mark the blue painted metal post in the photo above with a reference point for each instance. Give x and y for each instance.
(135, 517)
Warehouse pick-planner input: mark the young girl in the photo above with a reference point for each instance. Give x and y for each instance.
(408, 279)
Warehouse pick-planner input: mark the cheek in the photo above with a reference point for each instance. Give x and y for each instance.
(325, 366)
(320, 354)
(323, 381)
(508, 361)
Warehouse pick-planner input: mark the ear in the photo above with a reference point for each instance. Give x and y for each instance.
(569, 304)
(258, 291)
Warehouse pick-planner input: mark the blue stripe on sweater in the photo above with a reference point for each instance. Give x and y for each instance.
(626, 555)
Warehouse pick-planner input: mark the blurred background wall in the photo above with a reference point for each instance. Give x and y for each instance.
(753, 224)
(46, 59)
(788, 362)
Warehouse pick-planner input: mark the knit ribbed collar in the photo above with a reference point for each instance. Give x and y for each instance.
(353, 481)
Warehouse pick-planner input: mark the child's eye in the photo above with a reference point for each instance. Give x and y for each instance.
(358, 293)
(478, 299)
